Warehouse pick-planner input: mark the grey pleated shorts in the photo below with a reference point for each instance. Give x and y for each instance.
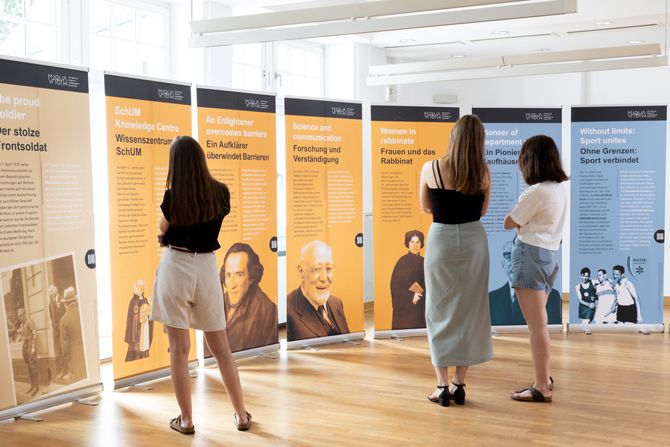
(187, 292)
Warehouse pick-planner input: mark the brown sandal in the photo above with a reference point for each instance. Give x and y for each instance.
(175, 424)
(242, 427)
(535, 396)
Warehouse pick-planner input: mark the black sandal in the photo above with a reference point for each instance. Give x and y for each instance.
(535, 396)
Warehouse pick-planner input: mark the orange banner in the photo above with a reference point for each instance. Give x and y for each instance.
(142, 119)
(48, 330)
(237, 130)
(403, 139)
(324, 256)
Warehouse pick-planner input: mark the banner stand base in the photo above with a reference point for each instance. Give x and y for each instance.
(521, 328)
(642, 328)
(398, 333)
(256, 352)
(311, 342)
(21, 411)
(133, 381)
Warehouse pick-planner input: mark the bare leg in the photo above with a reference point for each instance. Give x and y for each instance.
(442, 380)
(459, 378)
(180, 346)
(218, 345)
(533, 305)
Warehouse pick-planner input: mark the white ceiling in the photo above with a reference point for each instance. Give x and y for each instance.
(641, 20)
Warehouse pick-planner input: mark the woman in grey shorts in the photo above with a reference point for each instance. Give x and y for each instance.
(539, 218)
(187, 292)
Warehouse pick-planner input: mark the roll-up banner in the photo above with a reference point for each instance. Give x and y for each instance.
(143, 117)
(237, 130)
(324, 236)
(506, 130)
(618, 218)
(403, 139)
(48, 332)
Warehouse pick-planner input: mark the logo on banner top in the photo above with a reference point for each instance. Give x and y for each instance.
(343, 111)
(63, 80)
(539, 116)
(437, 115)
(257, 103)
(639, 114)
(164, 93)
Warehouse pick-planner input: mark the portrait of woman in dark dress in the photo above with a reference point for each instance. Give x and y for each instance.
(408, 285)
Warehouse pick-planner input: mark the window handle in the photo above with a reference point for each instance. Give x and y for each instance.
(282, 178)
(266, 75)
(278, 76)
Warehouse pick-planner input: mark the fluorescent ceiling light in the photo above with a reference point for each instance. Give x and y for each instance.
(458, 56)
(508, 38)
(543, 49)
(617, 28)
(499, 32)
(407, 40)
(365, 17)
(404, 73)
(529, 70)
(421, 45)
(636, 41)
(603, 23)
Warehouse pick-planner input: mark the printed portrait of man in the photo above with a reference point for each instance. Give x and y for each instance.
(627, 298)
(71, 339)
(251, 316)
(56, 312)
(311, 310)
(28, 331)
(408, 285)
(503, 302)
(139, 330)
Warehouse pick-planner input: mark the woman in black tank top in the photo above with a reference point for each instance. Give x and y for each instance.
(456, 190)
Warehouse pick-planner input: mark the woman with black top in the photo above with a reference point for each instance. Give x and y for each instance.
(456, 190)
(187, 292)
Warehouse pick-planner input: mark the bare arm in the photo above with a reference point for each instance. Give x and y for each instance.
(509, 223)
(424, 195)
(163, 226)
(633, 293)
(579, 297)
(487, 196)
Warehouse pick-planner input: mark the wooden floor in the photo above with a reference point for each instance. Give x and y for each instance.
(611, 390)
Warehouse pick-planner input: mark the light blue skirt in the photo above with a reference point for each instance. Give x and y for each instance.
(457, 297)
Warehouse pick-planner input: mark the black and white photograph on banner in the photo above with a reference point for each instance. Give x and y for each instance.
(609, 300)
(312, 311)
(408, 285)
(44, 327)
(251, 317)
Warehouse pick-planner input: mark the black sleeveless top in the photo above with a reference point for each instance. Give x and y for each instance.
(452, 207)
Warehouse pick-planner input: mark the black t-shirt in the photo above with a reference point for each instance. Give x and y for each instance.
(200, 237)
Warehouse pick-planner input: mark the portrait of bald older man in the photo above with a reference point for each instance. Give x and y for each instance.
(311, 310)
(251, 317)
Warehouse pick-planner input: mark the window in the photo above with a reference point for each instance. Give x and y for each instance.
(127, 40)
(247, 67)
(300, 71)
(31, 28)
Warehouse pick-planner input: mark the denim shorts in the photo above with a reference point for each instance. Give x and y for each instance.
(533, 267)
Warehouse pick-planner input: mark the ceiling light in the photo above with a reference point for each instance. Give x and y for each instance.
(603, 23)
(499, 32)
(458, 56)
(407, 40)
(636, 41)
(543, 49)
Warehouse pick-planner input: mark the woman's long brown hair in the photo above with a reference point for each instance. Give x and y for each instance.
(466, 167)
(195, 197)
